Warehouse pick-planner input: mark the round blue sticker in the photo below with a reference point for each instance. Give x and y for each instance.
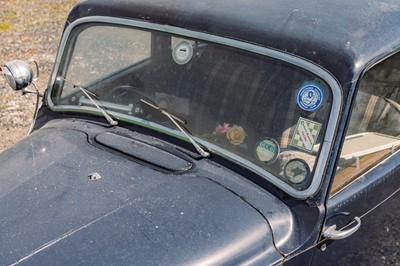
(310, 97)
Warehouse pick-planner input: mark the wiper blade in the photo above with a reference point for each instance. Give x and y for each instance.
(157, 107)
(87, 93)
(175, 120)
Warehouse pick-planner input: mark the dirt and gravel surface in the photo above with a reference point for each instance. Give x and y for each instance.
(28, 29)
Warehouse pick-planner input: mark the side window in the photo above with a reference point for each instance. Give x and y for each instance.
(374, 129)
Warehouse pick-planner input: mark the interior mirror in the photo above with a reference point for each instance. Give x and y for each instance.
(19, 74)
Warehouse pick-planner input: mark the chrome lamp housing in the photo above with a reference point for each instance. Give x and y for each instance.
(19, 74)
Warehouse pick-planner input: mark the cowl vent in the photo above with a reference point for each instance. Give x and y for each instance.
(145, 153)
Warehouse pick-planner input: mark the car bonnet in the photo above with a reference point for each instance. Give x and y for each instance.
(71, 202)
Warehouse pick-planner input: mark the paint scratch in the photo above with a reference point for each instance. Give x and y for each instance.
(64, 236)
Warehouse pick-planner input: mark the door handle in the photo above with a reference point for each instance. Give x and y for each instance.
(333, 234)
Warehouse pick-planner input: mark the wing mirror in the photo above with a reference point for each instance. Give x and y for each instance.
(20, 75)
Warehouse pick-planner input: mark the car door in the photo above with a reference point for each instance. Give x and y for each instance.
(363, 217)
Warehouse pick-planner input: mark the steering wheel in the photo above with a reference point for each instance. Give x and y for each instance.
(127, 95)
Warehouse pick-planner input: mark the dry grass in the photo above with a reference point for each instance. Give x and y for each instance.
(28, 28)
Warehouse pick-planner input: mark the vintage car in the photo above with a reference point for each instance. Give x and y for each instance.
(210, 133)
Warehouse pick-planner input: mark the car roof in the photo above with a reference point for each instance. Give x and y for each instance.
(341, 36)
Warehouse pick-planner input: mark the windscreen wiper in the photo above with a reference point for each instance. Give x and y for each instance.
(175, 120)
(87, 94)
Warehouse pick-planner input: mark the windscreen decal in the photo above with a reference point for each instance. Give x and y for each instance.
(268, 150)
(310, 97)
(306, 134)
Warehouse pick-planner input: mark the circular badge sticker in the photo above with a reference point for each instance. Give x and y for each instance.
(296, 171)
(310, 97)
(267, 150)
(183, 52)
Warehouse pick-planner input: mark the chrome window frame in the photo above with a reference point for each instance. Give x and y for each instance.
(279, 55)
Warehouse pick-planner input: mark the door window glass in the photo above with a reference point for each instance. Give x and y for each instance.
(374, 129)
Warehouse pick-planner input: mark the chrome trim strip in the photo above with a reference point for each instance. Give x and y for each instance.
(331, 81)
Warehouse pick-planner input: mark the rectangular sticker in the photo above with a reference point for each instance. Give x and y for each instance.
(306, 134)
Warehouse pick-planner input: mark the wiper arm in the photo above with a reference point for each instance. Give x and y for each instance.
(87, 94)
(175, 120)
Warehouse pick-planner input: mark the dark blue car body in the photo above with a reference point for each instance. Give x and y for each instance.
(158, 203)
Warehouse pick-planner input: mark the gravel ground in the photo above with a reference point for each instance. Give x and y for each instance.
(28, 29)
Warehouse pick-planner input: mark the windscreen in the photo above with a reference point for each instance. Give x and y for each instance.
(265, 114)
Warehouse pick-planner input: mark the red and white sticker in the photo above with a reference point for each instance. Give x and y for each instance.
(306, 134)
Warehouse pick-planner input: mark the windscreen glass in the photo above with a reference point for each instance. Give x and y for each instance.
(265, 114)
